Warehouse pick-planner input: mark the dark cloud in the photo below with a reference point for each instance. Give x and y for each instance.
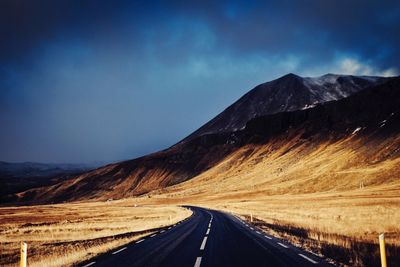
(105, 80)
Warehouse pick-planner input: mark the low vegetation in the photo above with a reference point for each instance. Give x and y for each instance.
(64, 234)
(339, 193)
(345, 250)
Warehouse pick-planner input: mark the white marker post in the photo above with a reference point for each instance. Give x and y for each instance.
(383, 250)
(24, 254)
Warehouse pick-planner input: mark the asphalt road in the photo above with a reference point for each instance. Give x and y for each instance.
(208, 238)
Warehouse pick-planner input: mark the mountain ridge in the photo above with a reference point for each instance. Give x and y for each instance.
(188, 159)
(287, 93)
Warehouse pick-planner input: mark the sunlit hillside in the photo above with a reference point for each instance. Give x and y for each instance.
(334, 196)
(348, 186)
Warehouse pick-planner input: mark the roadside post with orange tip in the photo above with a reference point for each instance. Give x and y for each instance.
(383, 250)
(24, 254)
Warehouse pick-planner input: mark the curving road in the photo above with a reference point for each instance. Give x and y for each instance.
(208, 238)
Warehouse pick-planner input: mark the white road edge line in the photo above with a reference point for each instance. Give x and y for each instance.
(208, 231)
(198, 261)
(89, 264)
(118, 251)
(270, 238)
(282, 245)
(203, 244)
(139, 241)
(307, 258)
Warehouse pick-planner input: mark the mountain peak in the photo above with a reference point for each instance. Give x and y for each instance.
(288, 93)
(291, 75)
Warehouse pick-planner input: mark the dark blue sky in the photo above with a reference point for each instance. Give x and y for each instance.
(85, 81)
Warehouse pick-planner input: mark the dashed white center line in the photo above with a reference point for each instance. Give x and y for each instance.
(258, 232)
(153, 235)
(270, 238)
(282, 245)
(251, 228)
(137, 242)
(198, 261)
(203, 244)
(307, 258)
(162, 231)
(208, 231)
(89, 264)
(169, 228)
(315, 254)
(118, 251)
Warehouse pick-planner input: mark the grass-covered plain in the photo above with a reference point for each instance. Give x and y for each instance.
(64, 234)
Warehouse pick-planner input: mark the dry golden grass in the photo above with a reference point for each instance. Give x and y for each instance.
(64, 234)
(312, 184)
(309, 183)
(342, 193)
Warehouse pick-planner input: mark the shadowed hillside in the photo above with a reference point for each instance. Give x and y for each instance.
(288, 93)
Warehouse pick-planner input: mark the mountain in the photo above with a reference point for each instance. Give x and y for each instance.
(29, 169)
(288, 93)
(16, 177)
(371, 113)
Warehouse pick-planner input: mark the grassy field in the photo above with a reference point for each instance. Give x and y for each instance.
(342, 226)
(340, 192)
(64, 234)
(345, 187)
(333, 196)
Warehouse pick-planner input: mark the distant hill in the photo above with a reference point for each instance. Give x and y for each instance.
(29, 169)
(16, 177)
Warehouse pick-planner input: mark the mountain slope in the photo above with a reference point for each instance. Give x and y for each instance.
(288, 93)
(17, 177)
(366, 111)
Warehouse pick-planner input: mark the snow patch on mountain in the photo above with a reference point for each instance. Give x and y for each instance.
(287, 93)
